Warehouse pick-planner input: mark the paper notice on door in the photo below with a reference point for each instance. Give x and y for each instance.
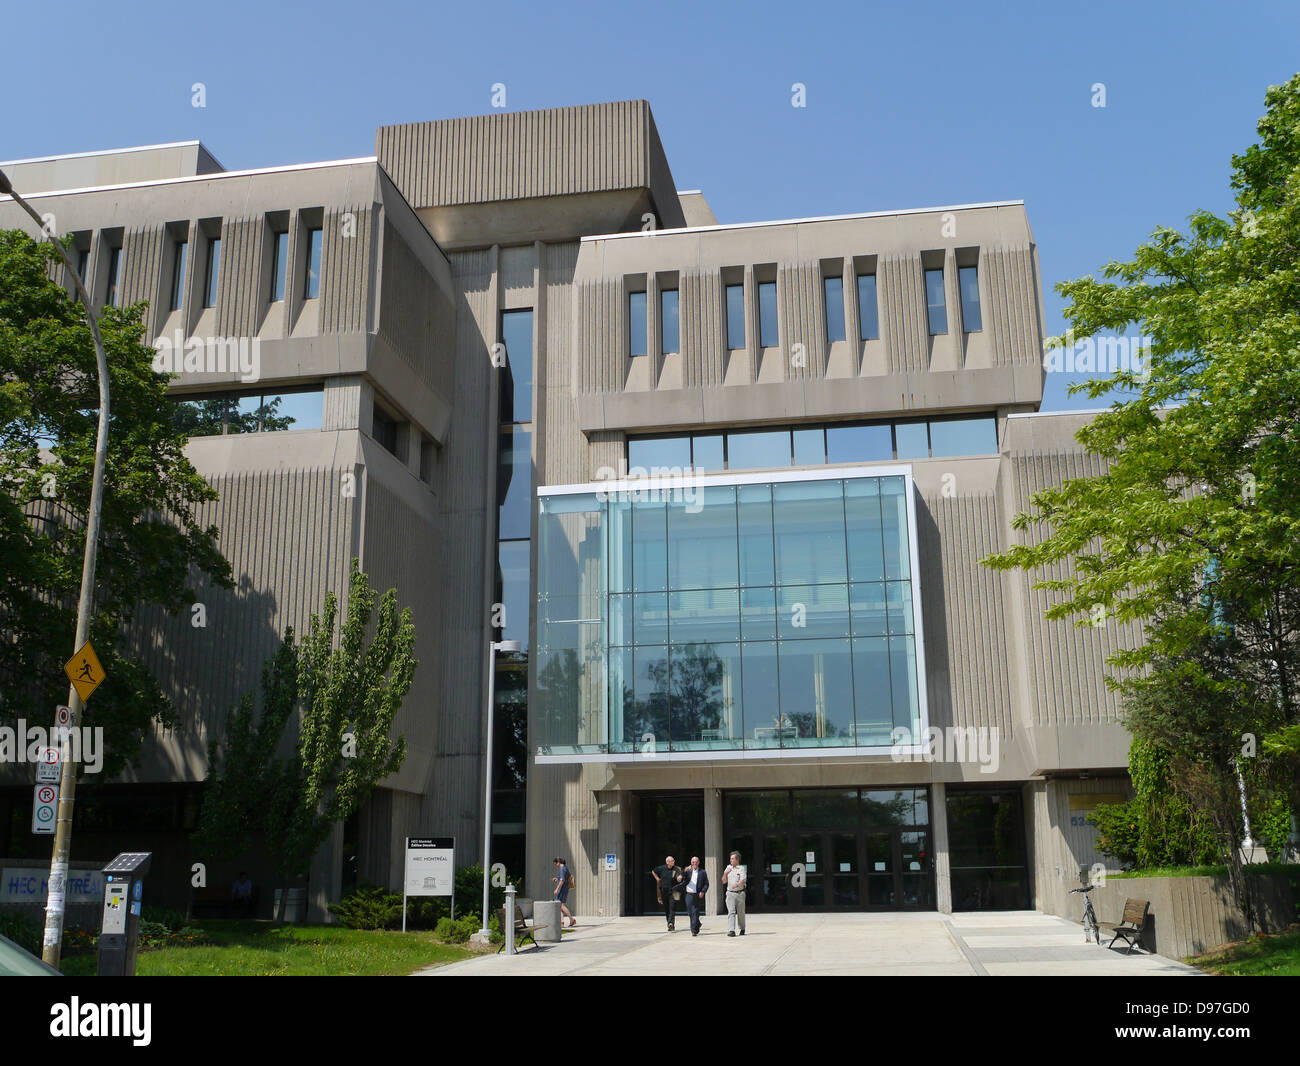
(809, 856)
(775, 867)
(880, 867)
(846, 867)
(810, 867)
(914, 866)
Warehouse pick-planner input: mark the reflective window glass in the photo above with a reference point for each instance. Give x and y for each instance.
(964, 436)
(517, 382)
(808, 526)
(809, 447)
(758, 450)
(768, 337)
(859, 444)
(968, 282)
(665, 453)
(735, 316)
(936, 306)
(668, 322)
(913, 440)
(868, 319)
(834, 289)
(636, 323)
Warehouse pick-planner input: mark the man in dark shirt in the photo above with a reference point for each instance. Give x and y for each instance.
(668, 878)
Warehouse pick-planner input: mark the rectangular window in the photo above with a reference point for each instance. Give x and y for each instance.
(279, 265)
(213, 268)
(83, 257)
(913, 440)
(735, 316)
(517, 386)
(385, 430)
(868, 318)
(768, 336)
(311, 285)
(969, 283)
(636, 324)
(669, 340)
(834, 309)
(114, 271)
(936, 307)
(964, 436)
(178, 274)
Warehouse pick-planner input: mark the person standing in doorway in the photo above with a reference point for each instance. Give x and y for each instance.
(696, 885)
(668, 879)
(563, 882)
(734, 877)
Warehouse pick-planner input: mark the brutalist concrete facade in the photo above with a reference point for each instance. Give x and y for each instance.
(565, 212)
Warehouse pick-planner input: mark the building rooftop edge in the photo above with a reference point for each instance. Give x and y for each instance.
(215, 176)
(799, 221)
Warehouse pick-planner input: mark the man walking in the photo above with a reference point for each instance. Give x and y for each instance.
(734, 878)
(697, 883)
(668, 878)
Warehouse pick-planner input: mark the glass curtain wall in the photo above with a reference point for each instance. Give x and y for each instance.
(514, 518)
(736, 616)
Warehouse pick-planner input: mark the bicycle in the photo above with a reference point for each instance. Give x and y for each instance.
(1091, 930)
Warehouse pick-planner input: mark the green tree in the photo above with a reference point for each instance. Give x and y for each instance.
(153, 549)
(1198, 510)
(346, 681)
(221, 414)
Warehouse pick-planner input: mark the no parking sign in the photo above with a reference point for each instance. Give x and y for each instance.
(45, 804)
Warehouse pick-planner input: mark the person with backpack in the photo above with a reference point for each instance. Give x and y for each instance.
(563, 882)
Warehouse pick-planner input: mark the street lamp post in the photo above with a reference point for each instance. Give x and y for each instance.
(54, 909)
(493, 647)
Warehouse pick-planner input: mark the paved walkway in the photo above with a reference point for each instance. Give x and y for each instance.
(1007, 942)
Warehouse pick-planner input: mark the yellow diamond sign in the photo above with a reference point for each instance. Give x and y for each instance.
(84, 671)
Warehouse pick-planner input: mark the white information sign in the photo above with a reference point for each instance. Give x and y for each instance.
(430, 866)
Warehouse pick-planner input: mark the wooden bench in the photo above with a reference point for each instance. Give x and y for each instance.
(1131, 924)
(522, 928)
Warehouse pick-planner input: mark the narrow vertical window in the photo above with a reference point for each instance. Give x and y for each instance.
(279, 265)
(969, 283)
(834, 308)
(178, 274)
(114, 269)
(211, 271)
(636, 323)
(735, 316)
(767, 331)
(868, 317)
(669, 340)
(83, 258)
(936, 308)
(311, 286)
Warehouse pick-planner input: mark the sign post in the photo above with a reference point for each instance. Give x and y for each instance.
(430, 870)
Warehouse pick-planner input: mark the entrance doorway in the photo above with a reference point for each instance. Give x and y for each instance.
(834, 849)
(671, 824)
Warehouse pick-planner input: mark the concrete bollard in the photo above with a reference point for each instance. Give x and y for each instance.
(509, 931)
(546, 921)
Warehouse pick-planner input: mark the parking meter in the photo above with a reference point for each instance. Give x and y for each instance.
(123, 895)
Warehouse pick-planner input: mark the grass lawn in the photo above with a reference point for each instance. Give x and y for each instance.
(249, 949)
(1269, 956)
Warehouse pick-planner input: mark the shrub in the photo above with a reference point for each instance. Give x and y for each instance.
(25, 930)
(1117, 832)
(369, 907)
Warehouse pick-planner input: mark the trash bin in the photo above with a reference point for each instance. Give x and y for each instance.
(546, 921)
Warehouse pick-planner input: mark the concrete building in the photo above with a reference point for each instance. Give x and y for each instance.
(728, 485)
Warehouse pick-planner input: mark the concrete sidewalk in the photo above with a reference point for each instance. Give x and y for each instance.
(1021, 943)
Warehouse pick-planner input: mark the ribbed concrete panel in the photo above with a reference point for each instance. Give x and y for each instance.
(239, 296)
(463, 480)
(1065, 663)
(142, 267)
(522, 154)
(1009, 277)
(703, 337)
(601, 333)
(561, 449)
(266, 518)
(902, 309)
(966, 636)
(345, 267)
(797, 284)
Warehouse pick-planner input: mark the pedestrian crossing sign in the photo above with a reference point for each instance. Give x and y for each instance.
(84, 671)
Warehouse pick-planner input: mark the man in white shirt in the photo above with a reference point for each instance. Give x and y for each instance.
(697, 884)
(734, 877)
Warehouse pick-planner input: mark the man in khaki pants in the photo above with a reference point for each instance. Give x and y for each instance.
(734, 878)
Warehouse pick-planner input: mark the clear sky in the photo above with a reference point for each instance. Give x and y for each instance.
(908, 105)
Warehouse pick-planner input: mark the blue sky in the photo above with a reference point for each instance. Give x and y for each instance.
(906, 107)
